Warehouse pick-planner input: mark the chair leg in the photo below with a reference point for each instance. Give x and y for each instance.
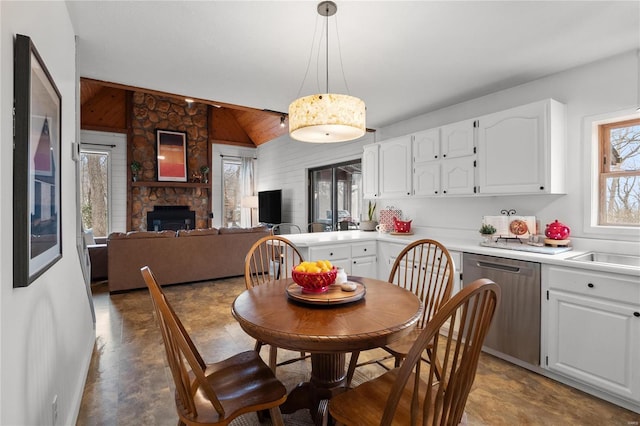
(273, 357)
(353, 363)
(397, 362)
(258, 346)
(276, 416)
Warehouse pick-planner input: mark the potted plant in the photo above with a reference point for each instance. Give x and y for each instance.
(487, 231)
(370, 224)
(135, 168)
(204, 170)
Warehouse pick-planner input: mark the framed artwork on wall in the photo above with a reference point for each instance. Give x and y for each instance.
(172, 155)
(37, 230)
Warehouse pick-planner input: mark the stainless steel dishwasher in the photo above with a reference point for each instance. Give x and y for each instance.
(515, 329)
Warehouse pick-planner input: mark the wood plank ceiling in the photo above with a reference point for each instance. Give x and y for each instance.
(104, 108)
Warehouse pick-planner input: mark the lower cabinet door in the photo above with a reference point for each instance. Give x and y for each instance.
(596, 342)
(365, 266)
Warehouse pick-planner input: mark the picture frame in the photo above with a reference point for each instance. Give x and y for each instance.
(37, 216)
(171, 146)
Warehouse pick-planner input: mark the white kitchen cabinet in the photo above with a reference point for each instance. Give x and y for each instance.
(387, 253)
(339, 255)
(426, 146)
(593, 329)
(364, 259)
(370, 185)
(395, 170)
(436, 171)
(426, 178)
(355, 258)
(456, 257)
(522, 150)
(458, 139)
(458, 176)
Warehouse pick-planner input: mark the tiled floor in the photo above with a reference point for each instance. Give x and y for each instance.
(129, 383)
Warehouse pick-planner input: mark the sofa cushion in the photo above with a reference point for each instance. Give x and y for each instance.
(151, 234)
(196, 232)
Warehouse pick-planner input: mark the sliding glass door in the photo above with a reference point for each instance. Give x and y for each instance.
(335, 195)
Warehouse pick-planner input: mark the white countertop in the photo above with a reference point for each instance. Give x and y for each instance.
(469, 245)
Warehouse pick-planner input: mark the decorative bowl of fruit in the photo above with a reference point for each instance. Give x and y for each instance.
(314, 277)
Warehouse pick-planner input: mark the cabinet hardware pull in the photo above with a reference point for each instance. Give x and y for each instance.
(590, 285)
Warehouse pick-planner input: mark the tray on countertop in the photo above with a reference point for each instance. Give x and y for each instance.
(527, 247)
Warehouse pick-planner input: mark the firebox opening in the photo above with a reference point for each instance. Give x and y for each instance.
(172, 218)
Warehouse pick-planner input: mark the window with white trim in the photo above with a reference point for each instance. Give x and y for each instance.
(619, 173)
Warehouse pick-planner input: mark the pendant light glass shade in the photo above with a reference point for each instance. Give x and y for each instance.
(327, 118)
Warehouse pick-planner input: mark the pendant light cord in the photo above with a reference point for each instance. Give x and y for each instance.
(313, 41)
(306, 72)
(327, 43)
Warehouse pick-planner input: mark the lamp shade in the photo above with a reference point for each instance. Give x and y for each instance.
(250, 202)
(326, 118)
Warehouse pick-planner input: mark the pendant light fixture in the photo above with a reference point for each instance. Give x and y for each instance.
(327, 117)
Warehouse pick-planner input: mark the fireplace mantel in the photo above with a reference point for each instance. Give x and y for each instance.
(156, 184)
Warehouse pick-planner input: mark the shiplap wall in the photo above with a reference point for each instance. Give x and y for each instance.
(117, 172)
(284, 163)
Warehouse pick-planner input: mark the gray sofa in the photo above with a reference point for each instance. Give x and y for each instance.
(178, 257)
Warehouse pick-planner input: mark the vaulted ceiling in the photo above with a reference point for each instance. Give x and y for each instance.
(403, 58)
(104, 107)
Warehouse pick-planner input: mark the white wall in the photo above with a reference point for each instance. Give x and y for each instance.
(283, 164)
(601, 87)
(46, 329)
(117, 173)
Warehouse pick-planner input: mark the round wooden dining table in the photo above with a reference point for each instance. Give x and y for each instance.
(327, 331)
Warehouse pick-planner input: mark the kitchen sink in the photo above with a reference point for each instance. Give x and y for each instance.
(608, 258)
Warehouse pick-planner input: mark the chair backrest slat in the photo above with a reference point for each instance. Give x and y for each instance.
(270, 258)
(425, 268)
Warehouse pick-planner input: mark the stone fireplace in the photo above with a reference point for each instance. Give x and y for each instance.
(149, 113)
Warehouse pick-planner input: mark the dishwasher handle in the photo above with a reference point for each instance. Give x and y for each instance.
(498, 266)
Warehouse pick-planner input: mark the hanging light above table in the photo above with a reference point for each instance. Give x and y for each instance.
(327, 117)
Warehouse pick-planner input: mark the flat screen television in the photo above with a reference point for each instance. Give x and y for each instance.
(270, 206)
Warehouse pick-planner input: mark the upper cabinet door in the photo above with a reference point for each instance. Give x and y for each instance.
(516, 153)
(395, 167)
(457, 139)
(458, 176)
(370, 187)
(426, 145)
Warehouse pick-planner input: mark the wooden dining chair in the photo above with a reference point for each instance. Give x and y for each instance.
(271, 258)
(212, 394)
(408, 396)
(425, 268)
